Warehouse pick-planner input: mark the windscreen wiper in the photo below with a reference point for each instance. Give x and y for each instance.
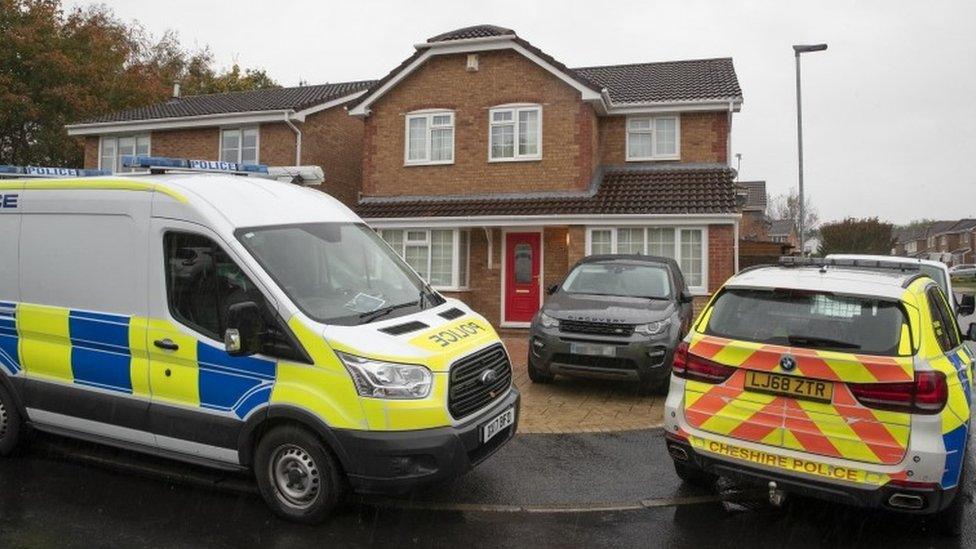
(821, 342)
(366, 318)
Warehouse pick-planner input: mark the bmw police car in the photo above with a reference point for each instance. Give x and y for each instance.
(845, 380)
(241, 323)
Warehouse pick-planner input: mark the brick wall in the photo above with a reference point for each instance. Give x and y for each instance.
(555, 256)
(331, 139)
(704, 138)
(721, 255)
(503, 77)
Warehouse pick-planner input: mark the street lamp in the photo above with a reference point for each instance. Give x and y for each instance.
(797, 50)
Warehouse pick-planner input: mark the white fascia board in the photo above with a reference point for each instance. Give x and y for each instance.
(674, 106)
(329, 104)
(473, 46)
(235, 118)
(546, 220)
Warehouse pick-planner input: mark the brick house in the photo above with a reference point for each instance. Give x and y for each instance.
(492, 167)
(954, 243)
(280, 126)
(783, 232)
(755, 223)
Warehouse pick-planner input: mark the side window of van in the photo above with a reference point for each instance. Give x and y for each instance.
(201, 281)
(942, 320)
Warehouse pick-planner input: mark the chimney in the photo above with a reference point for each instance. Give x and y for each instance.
(176, 90)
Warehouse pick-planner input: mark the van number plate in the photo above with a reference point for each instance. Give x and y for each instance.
(497, 425)
(796, 387)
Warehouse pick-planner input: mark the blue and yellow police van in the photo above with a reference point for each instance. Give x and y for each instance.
(242, 323)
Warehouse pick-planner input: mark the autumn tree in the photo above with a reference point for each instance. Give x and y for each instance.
(788, 207)
(856, 236)
(58, 67)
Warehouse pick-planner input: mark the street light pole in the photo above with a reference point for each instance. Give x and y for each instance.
(797, 50)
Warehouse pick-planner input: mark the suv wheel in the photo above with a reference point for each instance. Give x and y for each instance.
(535, 376)
(297, 476)
(693, 475)
(11, 424)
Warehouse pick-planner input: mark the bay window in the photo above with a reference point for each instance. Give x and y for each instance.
(684, 245)
(113, 149)
(653, 138)
(515, 133)
(430, 138)
(239, 145)
(440, 256)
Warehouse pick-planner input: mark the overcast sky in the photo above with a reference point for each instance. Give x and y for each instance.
(889, 110)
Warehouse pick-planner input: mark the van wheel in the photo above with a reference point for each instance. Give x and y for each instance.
(297, 476)
(694, 476)
(11, 424)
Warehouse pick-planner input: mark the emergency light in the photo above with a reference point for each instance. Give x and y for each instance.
(162, 163)
(48, 171)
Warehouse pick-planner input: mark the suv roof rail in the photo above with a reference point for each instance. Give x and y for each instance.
(871, 264)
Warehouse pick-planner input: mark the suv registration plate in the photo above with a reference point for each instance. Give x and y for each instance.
(796, 387)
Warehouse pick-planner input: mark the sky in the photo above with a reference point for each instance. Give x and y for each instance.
(889, 110)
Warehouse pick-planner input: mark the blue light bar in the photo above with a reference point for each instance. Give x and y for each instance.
(51, 171)
(162, 162)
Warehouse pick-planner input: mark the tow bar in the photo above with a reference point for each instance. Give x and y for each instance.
(776, 496)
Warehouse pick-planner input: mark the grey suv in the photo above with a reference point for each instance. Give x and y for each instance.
(612, 317)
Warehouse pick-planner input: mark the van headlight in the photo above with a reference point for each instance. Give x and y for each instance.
(651, 328)
(547, 321)
(379, 379)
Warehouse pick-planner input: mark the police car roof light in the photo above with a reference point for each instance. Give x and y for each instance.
(159, 164)
(48, 171)
(822, 263)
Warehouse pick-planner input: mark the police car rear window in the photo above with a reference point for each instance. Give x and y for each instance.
(812, 320)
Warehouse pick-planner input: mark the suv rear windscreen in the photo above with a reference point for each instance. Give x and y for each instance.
(809, 319)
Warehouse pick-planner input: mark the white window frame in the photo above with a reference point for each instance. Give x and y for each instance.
(515, 109)
(701, 289)
(653, 133)
(117, 159)
(457, 285)
(240, 143)
(429, 115)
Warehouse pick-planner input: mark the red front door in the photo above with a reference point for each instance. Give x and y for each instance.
(523, 252)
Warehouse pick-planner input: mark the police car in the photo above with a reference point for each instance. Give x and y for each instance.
(842, 379)
(241, 323)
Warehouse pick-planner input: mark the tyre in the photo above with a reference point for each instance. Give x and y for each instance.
(948, 522)
(694, 476)
(297, 476)
(11, 424)
(535, 376)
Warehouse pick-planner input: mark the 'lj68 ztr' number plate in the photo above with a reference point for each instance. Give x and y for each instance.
(797, 387)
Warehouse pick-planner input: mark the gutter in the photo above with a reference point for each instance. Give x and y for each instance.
(298, 140)
(250, 117)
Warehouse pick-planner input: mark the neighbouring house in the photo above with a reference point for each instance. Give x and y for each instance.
(276, 126)
(783, 231)
(911, 240)
(954, 243)
(755, 223)
(492, 167)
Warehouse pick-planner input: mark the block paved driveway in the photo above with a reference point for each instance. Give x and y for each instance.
(579, 405)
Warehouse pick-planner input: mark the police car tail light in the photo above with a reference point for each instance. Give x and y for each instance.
(696, 368)
(926, 395)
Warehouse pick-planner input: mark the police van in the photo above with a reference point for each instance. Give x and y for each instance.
(241, 323)
(847, 380)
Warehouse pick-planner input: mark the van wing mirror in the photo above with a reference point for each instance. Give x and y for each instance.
(967, 305)
(245, 329)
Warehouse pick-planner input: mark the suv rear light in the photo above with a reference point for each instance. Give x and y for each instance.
(926, 395)
(696, 368)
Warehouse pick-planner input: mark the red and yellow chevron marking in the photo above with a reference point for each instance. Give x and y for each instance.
(794, 465)
(842, 429)
(827, 365)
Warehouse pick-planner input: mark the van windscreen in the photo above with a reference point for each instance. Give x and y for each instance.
(338, 273)
(813, 320)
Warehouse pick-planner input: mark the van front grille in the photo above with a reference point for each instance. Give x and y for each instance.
(472, 387)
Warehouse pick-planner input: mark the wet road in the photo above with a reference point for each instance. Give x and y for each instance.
(67, 494)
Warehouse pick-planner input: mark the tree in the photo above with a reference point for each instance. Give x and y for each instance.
(857, 236)
(788, 207)
(57, 68)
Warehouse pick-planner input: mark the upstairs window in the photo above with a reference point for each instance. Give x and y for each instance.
(515, 133)
(239, 145)
(430, 138)
(113, 149)
(653, 138)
